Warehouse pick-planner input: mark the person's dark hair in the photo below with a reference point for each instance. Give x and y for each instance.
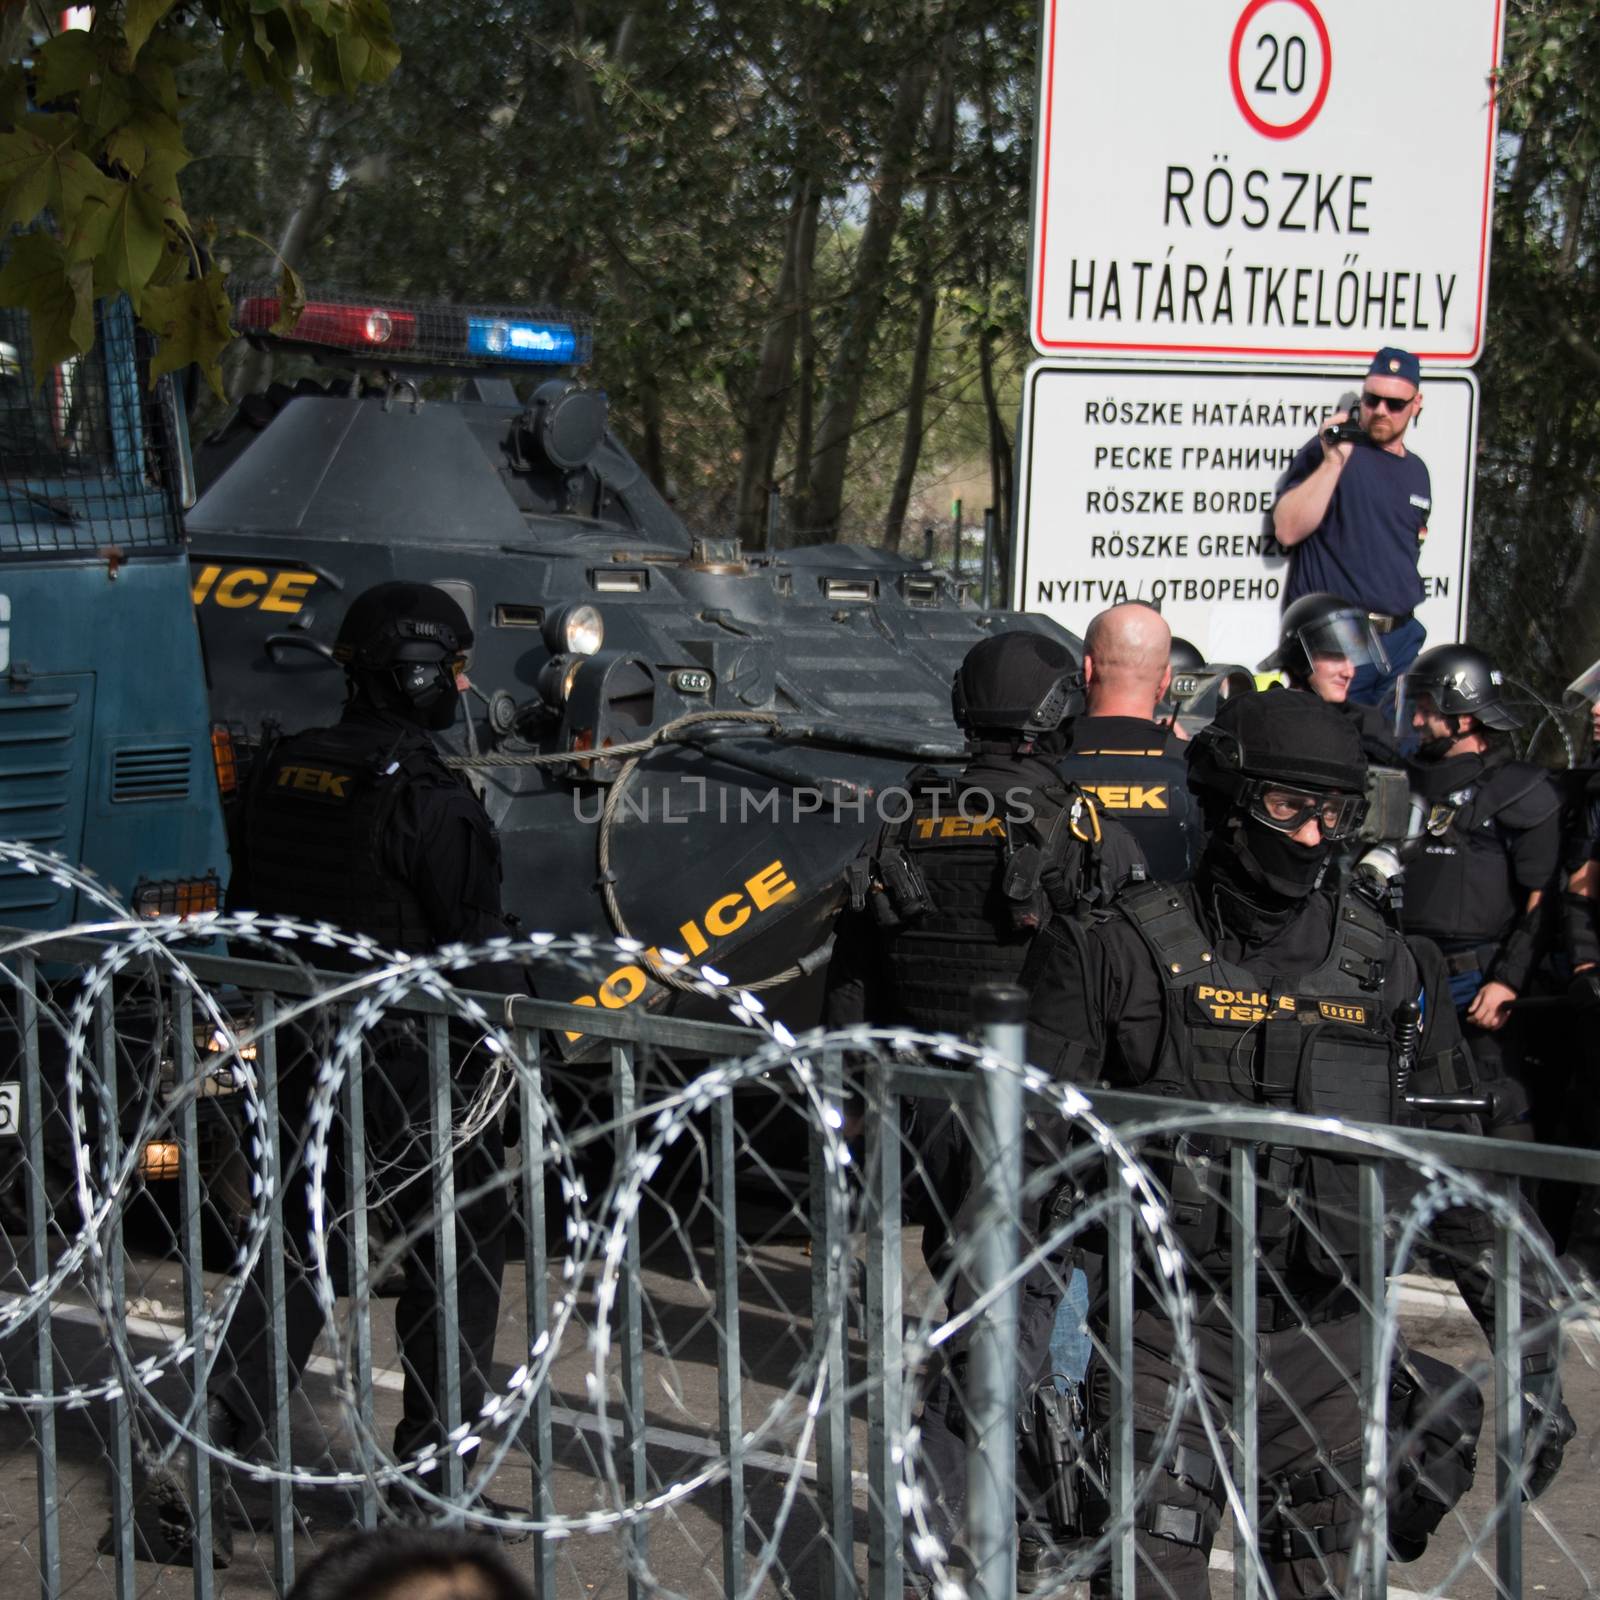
(412, 1564)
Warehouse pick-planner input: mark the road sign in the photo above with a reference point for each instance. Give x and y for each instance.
(1264, 180)
(1158, 485)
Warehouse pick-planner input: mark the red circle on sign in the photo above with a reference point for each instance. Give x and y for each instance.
(1285, 130)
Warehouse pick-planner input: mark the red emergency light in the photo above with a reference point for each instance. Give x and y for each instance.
(343, 327)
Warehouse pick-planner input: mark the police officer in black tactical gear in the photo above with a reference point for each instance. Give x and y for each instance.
(1490, 851)
(1131, 763)
(1580, 937)
(362, 825)
(1323, 642)
(955, 893)
(1257, 985)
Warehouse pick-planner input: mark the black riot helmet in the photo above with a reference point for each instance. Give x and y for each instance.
(1324, 625)
(1022, 685)
(1461, 681)
(402, 645)
(1267, 765)
(1185, 657)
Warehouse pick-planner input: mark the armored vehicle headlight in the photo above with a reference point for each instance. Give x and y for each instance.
(556, 679)
(575, 630)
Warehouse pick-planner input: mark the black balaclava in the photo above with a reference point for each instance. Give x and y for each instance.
(1297, 740)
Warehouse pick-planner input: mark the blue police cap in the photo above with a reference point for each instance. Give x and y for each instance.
(1392, 363)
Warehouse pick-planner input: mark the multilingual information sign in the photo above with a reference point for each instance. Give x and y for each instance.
(1159, 486)
(1264, 180)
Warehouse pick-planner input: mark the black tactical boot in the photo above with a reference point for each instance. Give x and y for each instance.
(163, 1519)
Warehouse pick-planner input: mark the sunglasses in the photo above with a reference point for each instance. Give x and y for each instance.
(1387, 401)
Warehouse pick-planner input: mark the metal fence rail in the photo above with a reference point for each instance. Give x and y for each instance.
(718, 1321)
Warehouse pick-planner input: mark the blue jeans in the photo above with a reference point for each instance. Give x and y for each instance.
(1069, 1338)
(1374, 688)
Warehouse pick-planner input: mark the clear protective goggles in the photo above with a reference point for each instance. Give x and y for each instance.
(1586, 686)
(1288, 810)
(1346, 635)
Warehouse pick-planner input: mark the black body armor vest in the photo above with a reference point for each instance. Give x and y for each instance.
(1460, 890)
(1147, 791)
(314, 825)
(962, 894)
(1319, 1044)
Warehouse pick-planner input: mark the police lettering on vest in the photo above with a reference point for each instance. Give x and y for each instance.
(1323, 1048)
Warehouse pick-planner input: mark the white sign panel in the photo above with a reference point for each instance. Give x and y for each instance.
(1159, 485)
(1264, 180)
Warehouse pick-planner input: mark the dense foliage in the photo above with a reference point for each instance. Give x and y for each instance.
(802, 229)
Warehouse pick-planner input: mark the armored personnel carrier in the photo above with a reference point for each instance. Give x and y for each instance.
(681, 741)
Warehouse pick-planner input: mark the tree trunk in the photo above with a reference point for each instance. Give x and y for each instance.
(864, 305)
(769, 397)
(999, 453)
(927, 312)
(805, 384)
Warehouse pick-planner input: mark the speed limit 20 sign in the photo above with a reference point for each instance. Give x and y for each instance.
(1264, 179)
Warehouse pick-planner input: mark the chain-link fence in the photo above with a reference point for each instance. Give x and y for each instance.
(704, 1309)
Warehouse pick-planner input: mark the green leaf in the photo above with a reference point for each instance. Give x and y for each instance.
(291, 300)
(27, 177)
(131, 248)
(65, 65)
(128, 149)
(57, 295)
(39, 167)
(146, 134)
(158, 186)
(139, 21)
(193, 321)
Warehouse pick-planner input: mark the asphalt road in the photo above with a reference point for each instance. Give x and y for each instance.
(685, 1545)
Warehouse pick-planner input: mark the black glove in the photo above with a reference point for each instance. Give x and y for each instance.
(1584, 988)
(1547, 1427)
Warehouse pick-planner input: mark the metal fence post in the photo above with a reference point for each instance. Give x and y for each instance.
(38, 1216)
(265, 1005)
(1374, 1380)
(536, 1292)
(1246, 1440)
(1119, 1355)
(730, 1369)
(353, 1103)
(1508, 1399)
(885, 1343)
(447, 1269)
(829, 1262)
(187, 1061)
(121, 1407)
(999, 1010)
(630, 1309)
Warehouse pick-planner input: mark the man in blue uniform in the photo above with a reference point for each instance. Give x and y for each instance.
(1353, 514)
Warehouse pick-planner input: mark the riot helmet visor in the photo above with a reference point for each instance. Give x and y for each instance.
(1586, 686)
(1426, 709)
(1347, 635)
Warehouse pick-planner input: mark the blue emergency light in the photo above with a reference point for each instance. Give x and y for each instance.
(547, 342)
